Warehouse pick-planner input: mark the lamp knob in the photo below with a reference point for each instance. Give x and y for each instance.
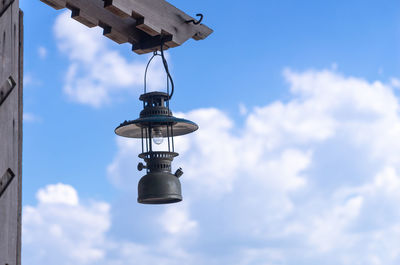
(178, 173)
(140, 166)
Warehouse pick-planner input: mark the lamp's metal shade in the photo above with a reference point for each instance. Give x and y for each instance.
(159, 188)
(133, 129)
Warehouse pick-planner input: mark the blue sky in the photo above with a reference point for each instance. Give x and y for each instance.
(297, 156)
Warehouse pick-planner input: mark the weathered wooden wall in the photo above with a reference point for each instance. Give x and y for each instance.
(11, 39)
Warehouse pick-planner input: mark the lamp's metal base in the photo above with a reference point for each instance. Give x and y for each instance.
(170, 198)
(159, 188)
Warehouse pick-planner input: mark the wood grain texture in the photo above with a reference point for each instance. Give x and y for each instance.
(56, 4)
(84, 18)
(11, 136)
(6, 53)
(139, 22)
(9, 225)
(20, 132)
(160, 16)
(4, 4)
(114, 35)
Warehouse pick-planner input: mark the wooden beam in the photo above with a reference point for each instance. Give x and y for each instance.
(157, 16)
(4, 5)
(56, 4)
(84, 18)
(10, 131)
(143, 23)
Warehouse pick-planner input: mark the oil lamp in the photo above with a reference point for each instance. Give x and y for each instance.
(155, 125)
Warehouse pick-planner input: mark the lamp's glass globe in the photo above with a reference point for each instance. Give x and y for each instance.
(157, 136)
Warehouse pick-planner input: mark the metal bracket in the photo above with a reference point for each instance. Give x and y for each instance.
(6, 89)
(6, 180)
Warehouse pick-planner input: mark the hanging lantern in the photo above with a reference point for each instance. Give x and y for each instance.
(156, 125)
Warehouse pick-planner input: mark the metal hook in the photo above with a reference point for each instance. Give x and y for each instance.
(194, 21)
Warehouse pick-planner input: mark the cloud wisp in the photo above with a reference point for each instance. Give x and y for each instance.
(42, 52)
(98, 74)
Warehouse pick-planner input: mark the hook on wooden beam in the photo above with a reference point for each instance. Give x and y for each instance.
(196, 22)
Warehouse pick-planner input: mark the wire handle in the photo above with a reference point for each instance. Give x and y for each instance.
(165, 64)
(167, 70)
(147, 67)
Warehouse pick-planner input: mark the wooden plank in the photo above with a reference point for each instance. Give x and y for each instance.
(93, 12)
(147, 27)
(20, 132)
(156, 16)
(9, 225)
(4, 4)
(84, 18)
(117, 8)
(10, 135)
(56, 4)
(152, 44)
(6, 55)
(8, 108)
(139, 22)
(114, 35)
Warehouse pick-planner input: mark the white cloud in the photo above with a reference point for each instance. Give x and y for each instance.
(97, 74)
(394, 82)
(243, 109)
(175, 220)
(314, 180)
(59, 193)
(30, 117)
(42, 52)
(126, 160)
(30, 80)
(60, 230)
(304, 172)
(326, 231)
